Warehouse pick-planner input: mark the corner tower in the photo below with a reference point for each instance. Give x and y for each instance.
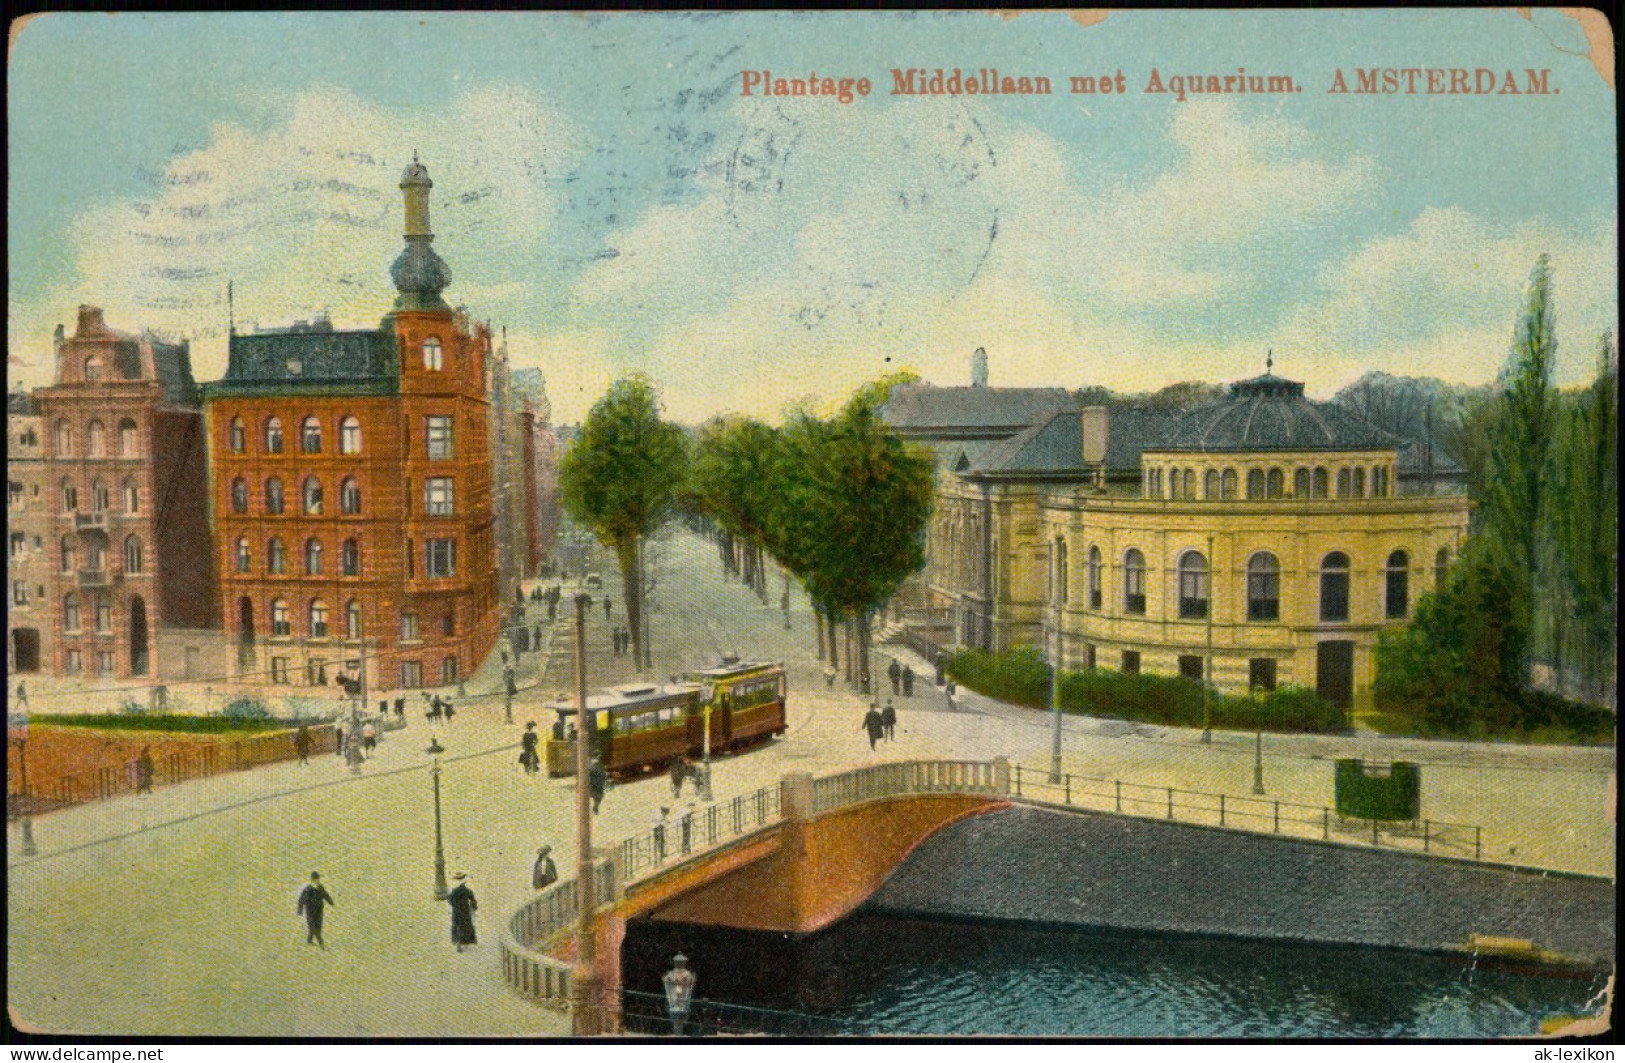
(419, 274)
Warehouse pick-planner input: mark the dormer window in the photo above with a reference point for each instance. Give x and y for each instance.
(432, 358)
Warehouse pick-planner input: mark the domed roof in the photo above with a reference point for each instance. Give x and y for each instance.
(1270, 413)
(415, 174)
(420, 276)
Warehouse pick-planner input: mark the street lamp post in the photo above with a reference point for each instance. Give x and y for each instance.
(584, 978)
(705, 778)
(440, 890)
(1055, 706)
(1258, 763)
(679, 985)
(1207, 684)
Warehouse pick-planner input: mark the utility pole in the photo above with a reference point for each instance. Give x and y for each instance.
(1207, 684)
(1055, 703)
(584, 979)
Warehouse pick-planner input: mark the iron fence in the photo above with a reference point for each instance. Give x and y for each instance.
(647, 1013)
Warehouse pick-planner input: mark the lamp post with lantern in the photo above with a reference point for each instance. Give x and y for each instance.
(440, 890)
(679, 986)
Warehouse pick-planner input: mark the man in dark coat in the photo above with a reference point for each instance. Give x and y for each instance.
(894, 672)
(544, 874)
(908, 681)
(679, 772)
(597, 783)
(874, 725)
(311, 900)
(942, 666)
(463, 905)
(527, 749)
(143, 771)
(888, 716)
(301, 743)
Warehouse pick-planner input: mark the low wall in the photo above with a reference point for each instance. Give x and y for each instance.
(1087, 869)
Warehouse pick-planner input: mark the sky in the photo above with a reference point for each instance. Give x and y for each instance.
(606, 193)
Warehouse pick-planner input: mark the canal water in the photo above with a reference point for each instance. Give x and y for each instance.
(877, 974)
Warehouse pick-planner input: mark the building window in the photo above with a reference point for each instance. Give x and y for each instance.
(350, 558)
(239, 436)
(104, 613)
(1441, 567)
(19, 592)
(70, 496)
(437, 433)
(1131, 662)
(1399, 585)
(1228, 490)
(1190, 483)
(1094, 577)
(352, 620)
(70, 612)
(411, 673)
(1190, 667)
(1300, 484)
(239, 495)
(276, 557)
(1060, 571)
(70, 554)
(132, 556)
(96, 555)
(132, 497)
(72, 662)
(1359, 482)
(318, 619)
(126, 438)
(437, 496)
(1379, 482)
(312, 496)
(244, 556)
(1210, 484)
(310, 435)
(448, 670)
(315, 672)
(93, 369)
(1193, 586)
(350, 496)
(448, 625)
(1334, 587)
(14, 493)
(279, 618)
(19, 546)
(279, 670)
(96, 440)
(349, 436)
(440, 558)
(432, 359)
(1134, 583)
(1342, 483)
(273, 435)
(1261, 674)
(273, 495)
(1255, 485)
(1319, 489)
(313, 557)
(64, 439)
(1263, 587)
(409, 627)
(98, 497)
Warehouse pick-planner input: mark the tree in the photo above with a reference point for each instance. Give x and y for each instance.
(621, 478)
(732, 478)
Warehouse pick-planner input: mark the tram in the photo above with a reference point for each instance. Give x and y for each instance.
(641, 727)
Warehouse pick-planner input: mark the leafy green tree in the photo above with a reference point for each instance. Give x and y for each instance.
(732, 479)
(621, 479)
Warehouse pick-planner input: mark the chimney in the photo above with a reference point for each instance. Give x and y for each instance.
(978, 368)
(90, 320)
(1094, 435)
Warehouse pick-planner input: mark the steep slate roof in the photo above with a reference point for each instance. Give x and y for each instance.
(1054, 447)
(925, 410)
(1270, 413)
(316, 359)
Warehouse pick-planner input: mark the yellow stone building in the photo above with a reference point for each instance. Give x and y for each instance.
(1258, 540)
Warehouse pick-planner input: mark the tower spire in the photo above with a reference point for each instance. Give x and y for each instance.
(419, 274)
(1269, 359)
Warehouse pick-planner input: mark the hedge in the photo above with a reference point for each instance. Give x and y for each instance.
(161, 722)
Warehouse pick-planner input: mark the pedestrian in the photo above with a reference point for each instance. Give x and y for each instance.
(301, 743)
(143, 771)
(608, 604)
(22, 694)
(160, 698)
(658, 833)
(338, 739)
(949, 690)
(544, 874)
(888, 716)
(527, 749)
(908, 681)
(873, 723)
(311, 901)
(552, 608)
(688, 828)
(894, 672)
(863, 684)
(400, 709)
(445, 707)
(369, 738)
(679, 772)
(509, 686)
(942, 666)
(463, 906)
(536, 637)
(597, 783)
(829, 676)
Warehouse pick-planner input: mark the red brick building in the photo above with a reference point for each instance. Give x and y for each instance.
(124, 482)
(351, 489)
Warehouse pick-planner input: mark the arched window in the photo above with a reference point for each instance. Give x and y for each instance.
(350, 558)
(1060, 571)
(239, 495)
(1193, 586)
(93, 369)
(132, 555)
(244, 558)
(350, 436)
(96, 439)
(318, 619)
(1228, 490)
(1210, 484)
(1334, 587)
(273, 435)
(1156, 483)
(350, 495)
(99, 497)
(431, 354)
(310, 436)
(313, 557)
(239, 436)
(1094, 577)
(1359, 482)
(1134, 583)
(70, 612)
(312, 495)
(273, 495)
(1276, 483)
(70, 496)
(1255, 484)
(95, 555)
(64, 439)
(279, 618)
(1263, 587)
(1379, 482)
(70, 553)
(352, 620)
(1343, 489)
(126, 438)
(276, 557)
(104, 613)
(1300, 484)
(1441, 568)
(1190, 483)
(1174, 482)
(132, 496)
(1319, 489)
(1399, 585)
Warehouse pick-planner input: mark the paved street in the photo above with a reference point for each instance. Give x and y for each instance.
(173, 912)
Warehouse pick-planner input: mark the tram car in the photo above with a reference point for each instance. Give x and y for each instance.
(746, 701)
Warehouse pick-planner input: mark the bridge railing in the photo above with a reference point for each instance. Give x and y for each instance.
(541, 923)
(680, 837)
(1260, 815)
(902, 779)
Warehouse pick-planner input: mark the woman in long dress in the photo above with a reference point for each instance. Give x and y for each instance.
(462, 902)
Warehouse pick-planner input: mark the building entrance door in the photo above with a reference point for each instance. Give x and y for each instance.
(25, 649)
(138, 637)
(1334, 672)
